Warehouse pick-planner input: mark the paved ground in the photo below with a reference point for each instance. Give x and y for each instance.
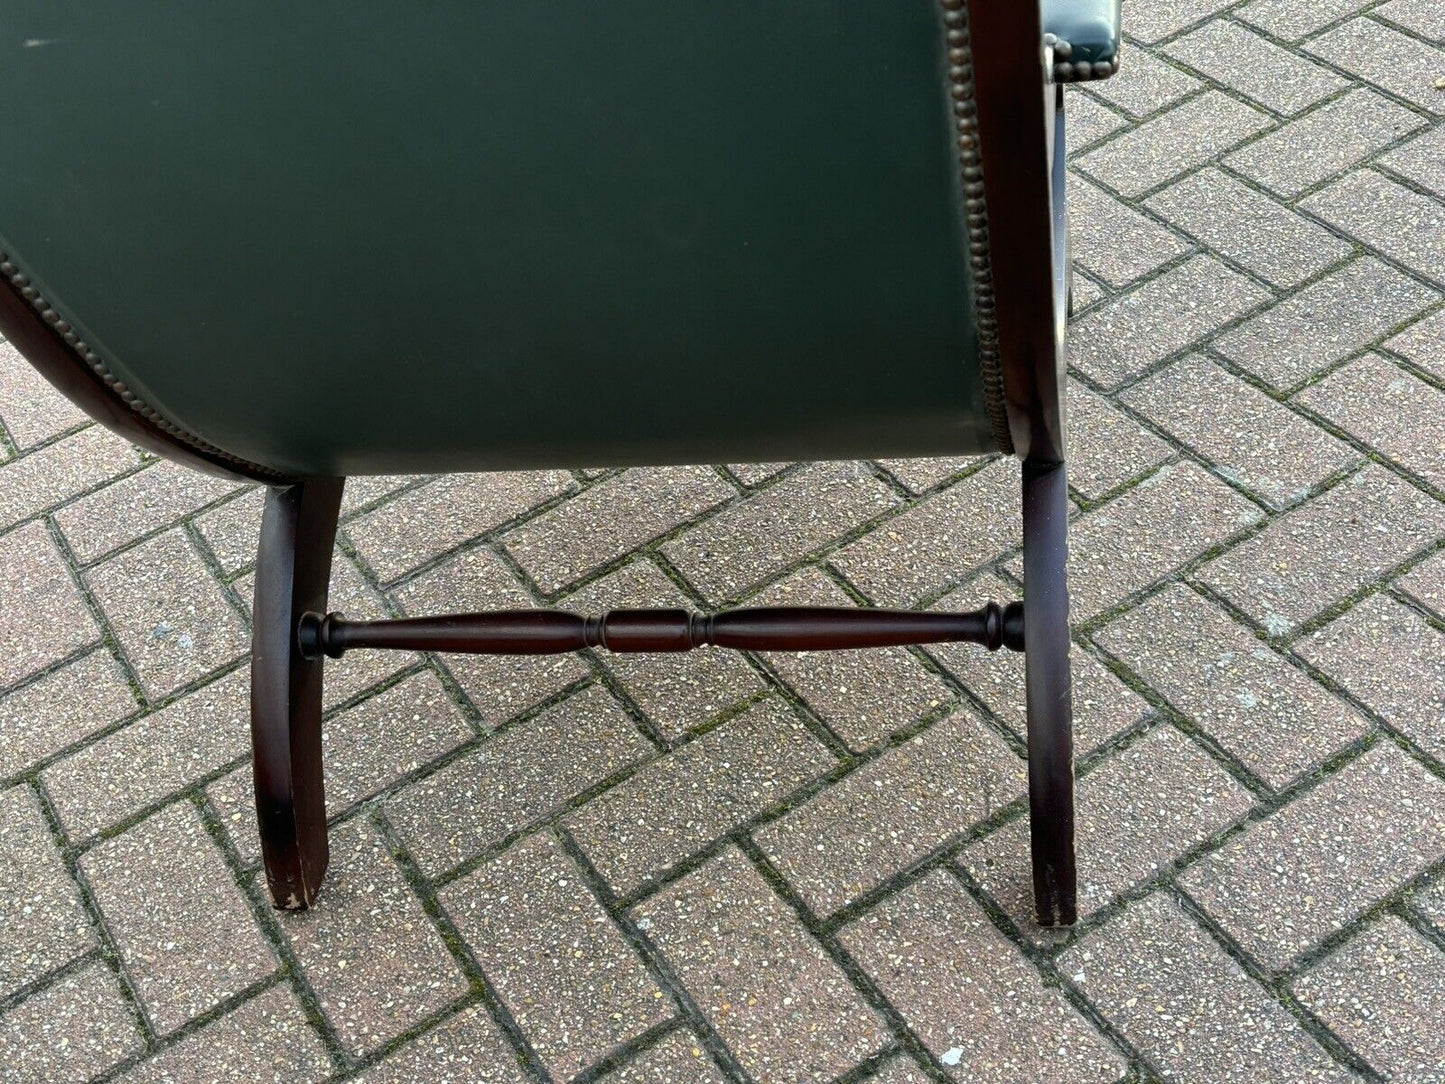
(812, 868)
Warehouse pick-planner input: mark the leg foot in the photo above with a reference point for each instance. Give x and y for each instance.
(293, 568)
(1050, 714)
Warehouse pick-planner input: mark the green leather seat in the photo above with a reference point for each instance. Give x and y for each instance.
(453, 237)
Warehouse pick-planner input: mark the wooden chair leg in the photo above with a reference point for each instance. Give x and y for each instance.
(1047, 681)
(293, 569)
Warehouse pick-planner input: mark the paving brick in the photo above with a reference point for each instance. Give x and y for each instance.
(1144, 84)
(1186, 1006)
(1277, 721)
(1379, 54)
(970, 995)
(42, 923)
(938, 541)
(1393, 660)
(682, 802)
(1315, 865)
(74, 1029)
(136, 505)
(1382, 993)
(1085, 291)
(1395, 412)
(61, 707)
(1426, 584)
(1402, 224)
(677, 1059)
(1088, 121)
(466, 1049)
(1255, 67)
(234, 797)
(49, 475)
(1294, 19)
(1151, 531)
(862, 695)
(369, 747)
(617, 515)
(364, 490)
(782, 1006)
(1114, 241)
(1430, 903)
(894, 811)
(266, 1038)
(171, 617)
(152, 758)
(1123, 337)
(1252, 439)
(1329, 140)
(32, 410)
(524, 772)
(1182, 139)
(1325, 321)
(367, 948)
(573, 984)
(233, 529)
(1421, 160)
(756, 538)
(1103, 705)
(499, 686)
(1106, 448)
(1251, 229)
(901, 1070)
(751, 474)
(349, 593)
(185, 931)
(1423, 343)
(1137, 814)
(923, 474)
(425, 522)
(1424, 17)
(1325, 549)
(34, 580)
(1154, 22)
(676, 692)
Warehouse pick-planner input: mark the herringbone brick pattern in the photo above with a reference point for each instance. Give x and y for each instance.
(813, 868)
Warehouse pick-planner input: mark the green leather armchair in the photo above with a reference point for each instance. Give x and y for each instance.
(290, 245)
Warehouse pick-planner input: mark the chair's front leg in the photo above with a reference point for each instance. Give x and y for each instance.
(1050, 711)
(293, 568)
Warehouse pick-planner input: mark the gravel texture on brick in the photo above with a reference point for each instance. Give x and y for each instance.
(465, 1049)
(1326, 549)
(1136, 815)
(74, 1029)
(267, 1038)
(611, 519)
(1187, 1006)
(1308, 869)
(186, 933)
(1384, 993)
(1380, 54)
(33, 483)
(682, 802)
(678, 1058)
(1258, 706)
(31, 409)
(754, 539)
(1325, 322)
(572, 982)
(34, 580)
(1393, 660)
(1425, 583)
(1107, 448)
(368, 949)
(1251, 64)
(1098, 250)
(782, 1006)
(61, 707)
(1252, 439)
(42, 923)
(970, 994)
(894, 811)
(1396, 221)
(152, 757)
(527, 771)
(1145, 85)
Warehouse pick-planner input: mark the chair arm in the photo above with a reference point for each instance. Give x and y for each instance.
(1084, 35)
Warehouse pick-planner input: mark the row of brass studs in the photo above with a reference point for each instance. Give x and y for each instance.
(97, 365)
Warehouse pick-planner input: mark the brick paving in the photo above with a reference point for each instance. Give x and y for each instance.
(802, 867)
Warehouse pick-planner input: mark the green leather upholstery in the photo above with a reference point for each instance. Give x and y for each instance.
(376, 237)
(1085, 38)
